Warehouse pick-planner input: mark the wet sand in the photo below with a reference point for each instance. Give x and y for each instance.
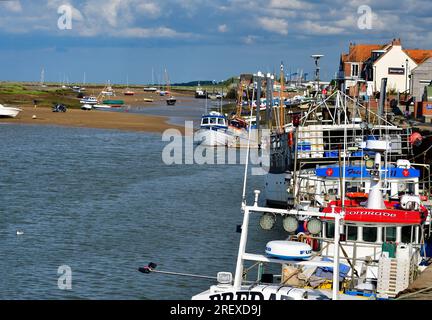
(121, 120)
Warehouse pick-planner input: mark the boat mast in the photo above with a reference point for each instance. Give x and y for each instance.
(281, 98)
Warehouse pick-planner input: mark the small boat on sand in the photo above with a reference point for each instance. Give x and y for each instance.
(102, 107)
(9, 112)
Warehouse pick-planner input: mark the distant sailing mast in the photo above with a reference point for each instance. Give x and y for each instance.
(42, 78)
(171, 100)
(128, 91)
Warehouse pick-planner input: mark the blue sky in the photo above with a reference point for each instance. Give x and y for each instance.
(194, 39)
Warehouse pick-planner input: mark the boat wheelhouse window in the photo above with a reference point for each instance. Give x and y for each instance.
(389, 234)
(351, 232)
(221, 121)
(330, 230)
(213, 121)
(353, 187)
(404, 188)
(370, 234)
(205, 121)
(407, 234)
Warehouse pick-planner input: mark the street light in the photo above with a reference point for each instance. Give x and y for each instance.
(406, 76)
(317, 57)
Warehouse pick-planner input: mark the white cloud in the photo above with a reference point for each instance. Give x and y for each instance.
(223, 28)
(12, 5)
(275, 25)
(151, 10)
(310, 27)
(290, 4)
(160, 32)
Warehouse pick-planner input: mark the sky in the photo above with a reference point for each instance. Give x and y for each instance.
(124, 40)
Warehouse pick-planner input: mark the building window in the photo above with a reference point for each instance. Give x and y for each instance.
(354, 70)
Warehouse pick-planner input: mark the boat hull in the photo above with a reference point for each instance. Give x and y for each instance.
(6, 112)
(211, 137)
(102, 107)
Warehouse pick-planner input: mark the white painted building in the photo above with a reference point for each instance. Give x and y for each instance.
(395, 65)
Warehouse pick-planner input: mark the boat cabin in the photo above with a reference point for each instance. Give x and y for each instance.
(214, 120)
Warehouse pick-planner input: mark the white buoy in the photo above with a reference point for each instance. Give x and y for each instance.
(19, 232)
(34, 116)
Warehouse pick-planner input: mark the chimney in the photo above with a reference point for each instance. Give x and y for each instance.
(396, 42)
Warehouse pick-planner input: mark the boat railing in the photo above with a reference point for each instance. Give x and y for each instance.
(321, 144)
(244, 256)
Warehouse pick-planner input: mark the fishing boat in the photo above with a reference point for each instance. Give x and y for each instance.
(107, 90)
(213, 130)
(89, 100)
(9, 112)
(358, 246)
(200, 93)
(171, 101)
(358, 210)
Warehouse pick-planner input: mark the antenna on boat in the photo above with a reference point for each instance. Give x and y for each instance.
(248, 149)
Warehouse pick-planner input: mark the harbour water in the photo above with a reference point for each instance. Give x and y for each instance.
(103, 203)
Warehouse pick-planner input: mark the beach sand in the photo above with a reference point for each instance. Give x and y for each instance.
(92, 119)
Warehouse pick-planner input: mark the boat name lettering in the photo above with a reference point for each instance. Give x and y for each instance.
(247, 295)
(380, 213)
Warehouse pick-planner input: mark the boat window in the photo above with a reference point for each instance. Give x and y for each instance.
(221, 121)
(351, 233)
(370, 234)
(205, 121)
(407, 231)
(352, 186)
(389, 234)
(212, 120)
(330, 230)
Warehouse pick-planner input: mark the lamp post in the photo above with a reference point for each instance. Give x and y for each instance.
(406, 76)
(317, 57)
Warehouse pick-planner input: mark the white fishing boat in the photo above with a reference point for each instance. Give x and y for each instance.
(213, 130)
(9, 112)
(89, 100)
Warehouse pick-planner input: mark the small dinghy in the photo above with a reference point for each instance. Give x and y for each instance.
(288, 250)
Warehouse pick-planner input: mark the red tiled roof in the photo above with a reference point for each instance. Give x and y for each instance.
(419, 56)
(360, 52)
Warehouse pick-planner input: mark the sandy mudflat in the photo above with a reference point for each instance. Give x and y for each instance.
(92, 119)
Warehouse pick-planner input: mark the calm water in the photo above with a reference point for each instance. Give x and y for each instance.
(104, 203)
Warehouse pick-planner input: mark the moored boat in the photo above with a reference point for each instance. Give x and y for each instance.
(89, 100)
(102, 107)
(9, 112)
(171, 101)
